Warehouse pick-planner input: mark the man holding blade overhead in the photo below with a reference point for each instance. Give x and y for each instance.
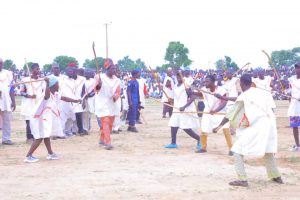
(107, 93)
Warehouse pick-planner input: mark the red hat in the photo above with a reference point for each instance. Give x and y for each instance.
(72, 64)
(108, 63)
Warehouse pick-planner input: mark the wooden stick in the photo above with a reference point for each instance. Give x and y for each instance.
(219, 113)
(289, 96)
(24, 82)
(187, 112)
(274, 69)
(237, 72)
(96, 60)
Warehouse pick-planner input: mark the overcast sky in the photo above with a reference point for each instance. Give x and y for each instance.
(40, 30)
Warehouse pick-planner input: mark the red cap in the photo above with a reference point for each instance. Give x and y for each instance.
(108, 63)
(72, 65)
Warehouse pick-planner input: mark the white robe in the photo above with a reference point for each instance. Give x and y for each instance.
(34, 88)
(89, 87)
(67, 89)
(183, 120)
(168, 91)
(45, 121)
(208, 122)
(231, 87)
(265, 84)
(104, 104)
(6, 78)
(294, 108)
(261, 136)
(142, 83)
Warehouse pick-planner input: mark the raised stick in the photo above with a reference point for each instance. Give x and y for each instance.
(274, 69)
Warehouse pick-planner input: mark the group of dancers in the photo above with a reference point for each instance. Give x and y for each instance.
(244, 103)
(59, 106)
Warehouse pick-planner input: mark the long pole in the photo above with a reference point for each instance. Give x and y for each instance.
(106, 33)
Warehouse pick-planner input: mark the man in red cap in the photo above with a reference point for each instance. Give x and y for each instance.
(107, 93)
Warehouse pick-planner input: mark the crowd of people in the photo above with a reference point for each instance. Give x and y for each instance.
(60, 105)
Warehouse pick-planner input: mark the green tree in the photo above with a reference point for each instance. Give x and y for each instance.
(177, 55)
(91, 64)
(9, 65)
(127, 64)
(29, 66)
(47, 67)
(63, 61)
(226, 63)
(286, 57)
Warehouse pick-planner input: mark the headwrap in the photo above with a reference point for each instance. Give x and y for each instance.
(34, 65)
(108, 63)
(134, 72)
(52, 81)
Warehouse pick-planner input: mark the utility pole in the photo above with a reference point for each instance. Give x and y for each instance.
(106, 24)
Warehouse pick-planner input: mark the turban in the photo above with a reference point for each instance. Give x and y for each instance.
(108, 63)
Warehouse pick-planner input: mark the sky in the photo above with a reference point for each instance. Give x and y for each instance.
(40, 30)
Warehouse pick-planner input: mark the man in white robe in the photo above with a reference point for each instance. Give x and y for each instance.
(294, 108)
(259, 137)
(7, 103)
(31, 94)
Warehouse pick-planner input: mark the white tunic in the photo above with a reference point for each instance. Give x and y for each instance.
(6, 78)
(67, 89)
(294, 108)
(261, 136)
(34, 88)
(169, 92)
(208, 122)
(183, 120)
(142, 83)
(266, 85)
(78, 85)
(231, 87)
(89, 87)
(104, 104)
(45, 121)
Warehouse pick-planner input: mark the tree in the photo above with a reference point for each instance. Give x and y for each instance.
(29, 66)
(285, 57)
(63, 61)
(91, 64)
(9, 65)
(126, 64)
(226, 63)
(47, 67)
(177, 55)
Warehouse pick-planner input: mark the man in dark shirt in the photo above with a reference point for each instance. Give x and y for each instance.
(133, 100)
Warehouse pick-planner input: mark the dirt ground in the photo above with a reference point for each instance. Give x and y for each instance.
(140, 168)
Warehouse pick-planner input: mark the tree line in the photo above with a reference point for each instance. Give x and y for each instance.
(176, 56)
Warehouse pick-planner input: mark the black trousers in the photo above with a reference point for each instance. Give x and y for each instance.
(79, 122)
(28, 130)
